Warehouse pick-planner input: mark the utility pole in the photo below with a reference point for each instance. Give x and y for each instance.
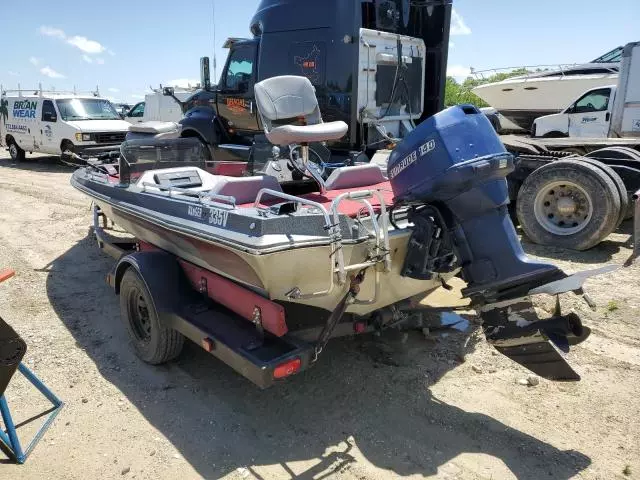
(215, 70)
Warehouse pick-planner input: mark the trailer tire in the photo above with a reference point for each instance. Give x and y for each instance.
(152, 341)
(17, 154)
(593, 197)
(615, 178)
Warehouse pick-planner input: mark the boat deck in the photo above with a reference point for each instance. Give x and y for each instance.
(346, 207)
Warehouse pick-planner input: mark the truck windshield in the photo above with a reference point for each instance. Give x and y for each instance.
(87, 109)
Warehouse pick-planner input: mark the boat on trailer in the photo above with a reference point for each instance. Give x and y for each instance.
(262, 270)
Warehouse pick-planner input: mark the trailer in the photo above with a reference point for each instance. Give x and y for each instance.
(177, 300)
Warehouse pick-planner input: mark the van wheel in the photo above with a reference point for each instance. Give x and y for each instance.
(66, 145)
(17, 154)
(152, 341)
(568, 203)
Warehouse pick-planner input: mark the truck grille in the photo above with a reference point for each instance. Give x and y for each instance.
(109, 137)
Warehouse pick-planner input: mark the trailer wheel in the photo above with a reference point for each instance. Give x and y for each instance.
(620, 187)
(152, 341)
(568, 203)
(17, 154)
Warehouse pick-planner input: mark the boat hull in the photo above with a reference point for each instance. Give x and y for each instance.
(275, 274)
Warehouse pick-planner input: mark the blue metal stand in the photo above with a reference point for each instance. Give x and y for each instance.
(9, 437)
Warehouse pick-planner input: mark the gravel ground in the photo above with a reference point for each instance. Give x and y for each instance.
(406, 407)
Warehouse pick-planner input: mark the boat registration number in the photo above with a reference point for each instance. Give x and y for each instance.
(218, 217)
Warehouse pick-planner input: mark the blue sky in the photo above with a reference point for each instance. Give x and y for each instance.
(126, 46)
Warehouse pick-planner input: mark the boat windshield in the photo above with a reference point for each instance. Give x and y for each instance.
(614, 56)
(87, 109)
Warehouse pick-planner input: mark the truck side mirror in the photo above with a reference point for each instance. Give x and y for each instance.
(168, 91)
(205, 76)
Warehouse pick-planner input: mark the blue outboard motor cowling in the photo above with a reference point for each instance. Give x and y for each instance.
(448, 154)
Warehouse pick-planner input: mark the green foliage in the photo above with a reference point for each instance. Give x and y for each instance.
(456, 93)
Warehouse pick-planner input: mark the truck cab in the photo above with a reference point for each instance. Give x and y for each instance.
(377, 65)
(589, 116)
(235, 101)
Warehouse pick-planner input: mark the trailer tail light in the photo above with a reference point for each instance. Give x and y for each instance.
(359, 327)
(287, 368)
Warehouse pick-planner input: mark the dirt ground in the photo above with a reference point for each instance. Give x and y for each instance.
(367, 410)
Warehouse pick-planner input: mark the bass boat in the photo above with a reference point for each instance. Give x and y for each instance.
(355, 249)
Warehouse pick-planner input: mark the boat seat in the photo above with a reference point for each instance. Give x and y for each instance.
(287, 98)
(244, 189)
(353, 177)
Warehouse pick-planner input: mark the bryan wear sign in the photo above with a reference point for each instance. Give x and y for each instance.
(24, 108)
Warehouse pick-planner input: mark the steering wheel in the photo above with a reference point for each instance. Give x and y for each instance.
(315, 162)
(590, 105)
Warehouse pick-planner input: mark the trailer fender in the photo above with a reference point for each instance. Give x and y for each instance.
(160, 273)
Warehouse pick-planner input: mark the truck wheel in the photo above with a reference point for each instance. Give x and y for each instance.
(630, 156)
(152, 341)
(617, 152)
(17, 154)
(568, 203)
(620, 187)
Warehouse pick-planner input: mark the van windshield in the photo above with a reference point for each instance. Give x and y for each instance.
(87, 109)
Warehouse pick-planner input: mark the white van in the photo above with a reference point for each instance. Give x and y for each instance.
(54, 122)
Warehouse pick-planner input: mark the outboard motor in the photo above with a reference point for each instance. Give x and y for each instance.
(451, 170)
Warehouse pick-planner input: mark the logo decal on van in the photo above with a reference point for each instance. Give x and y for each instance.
(24, 108)
(48, 132)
